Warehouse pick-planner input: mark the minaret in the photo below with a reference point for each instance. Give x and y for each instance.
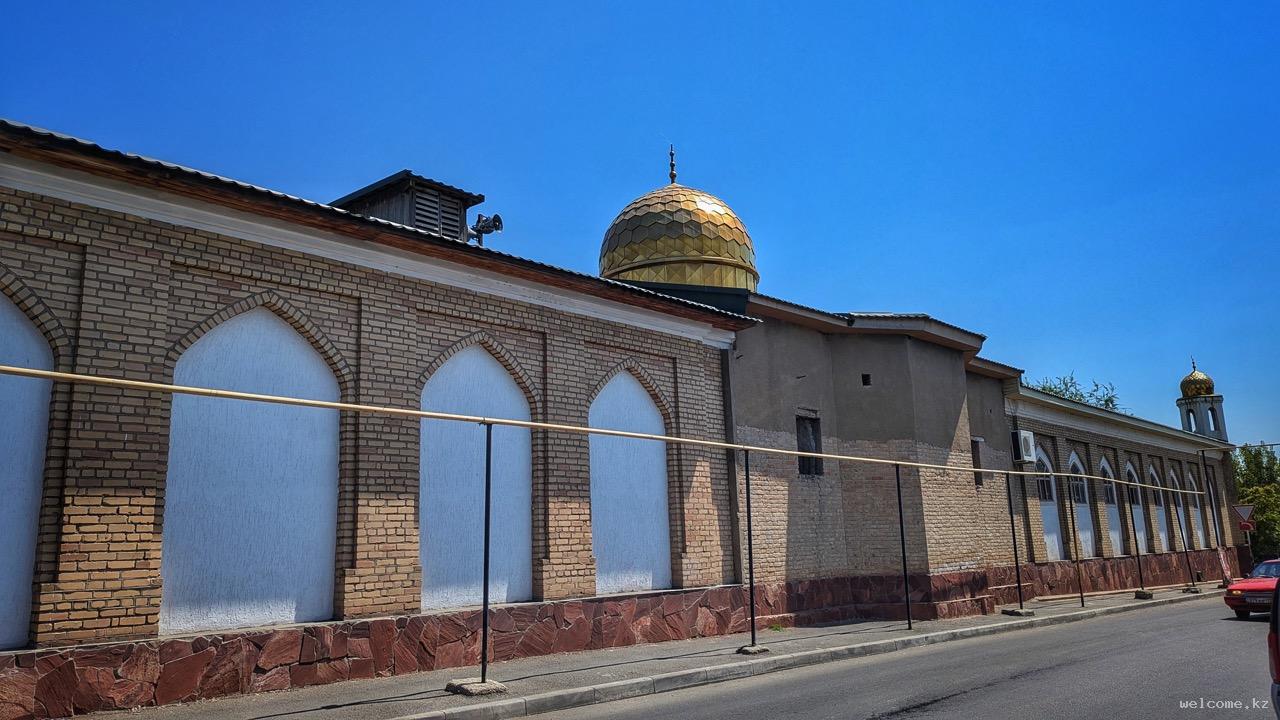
(1199, 407)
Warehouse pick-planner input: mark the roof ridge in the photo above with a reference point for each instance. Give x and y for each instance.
(82, 145)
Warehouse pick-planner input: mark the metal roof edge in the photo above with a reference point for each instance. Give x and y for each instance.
(1038, 397)
(21, 132)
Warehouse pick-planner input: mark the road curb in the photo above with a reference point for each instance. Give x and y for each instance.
(665, 682)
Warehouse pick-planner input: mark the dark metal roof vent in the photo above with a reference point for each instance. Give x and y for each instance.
(415, 201)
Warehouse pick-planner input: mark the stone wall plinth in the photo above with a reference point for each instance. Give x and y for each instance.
(53, 683)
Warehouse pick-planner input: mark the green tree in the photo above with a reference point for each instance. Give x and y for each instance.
(1257, 473)
(1101, 395)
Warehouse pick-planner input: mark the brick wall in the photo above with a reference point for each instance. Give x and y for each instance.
(118, 294)
(845, 522)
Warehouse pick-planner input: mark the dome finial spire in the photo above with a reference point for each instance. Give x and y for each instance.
(671, 151)
(1193, 362)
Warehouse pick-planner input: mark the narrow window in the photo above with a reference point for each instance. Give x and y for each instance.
(866, 379)
(1109, 490)
(975, 448)
(809, 439)
(1044, 483)
(1191, 421)
(1077, 491)
(1213, 420)
(1211, 483)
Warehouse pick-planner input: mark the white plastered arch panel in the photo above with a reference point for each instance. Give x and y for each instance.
(1158, 507)
(1112, 501)
(24, 429)
(1082, 507)
(250, 515)
(451, 491)
(630, 526)
(1137, 508)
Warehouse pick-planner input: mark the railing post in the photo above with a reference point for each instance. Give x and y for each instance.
(1210, 496)
(488, 491)
(1075, 541)
(753, 648)
(902, 541)
(1186, 541)
(1142, 593)
(1013, 532)
(1142, 583)
(470, 686)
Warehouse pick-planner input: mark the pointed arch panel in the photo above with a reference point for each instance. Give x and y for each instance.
(472, 381)
(24, 429)
(250, 513)
(630, 525)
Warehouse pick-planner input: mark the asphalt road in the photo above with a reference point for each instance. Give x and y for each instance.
(1140, 664)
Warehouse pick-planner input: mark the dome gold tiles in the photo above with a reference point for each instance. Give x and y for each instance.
(680, 236)
(1196, 384)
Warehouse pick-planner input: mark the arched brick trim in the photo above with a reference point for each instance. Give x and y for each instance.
(277, 304)
(62, 347)
(676, 486)
(532, 394)
(40, 315)
(537, 444)
(52, 500)
(630, 365)
(349, 489)
(1031, 497)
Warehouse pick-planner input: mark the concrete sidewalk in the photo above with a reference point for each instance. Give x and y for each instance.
(555, 682)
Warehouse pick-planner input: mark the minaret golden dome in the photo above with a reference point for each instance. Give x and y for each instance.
(681, 236)
(1196, 383)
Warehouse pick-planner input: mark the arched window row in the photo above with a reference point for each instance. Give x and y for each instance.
(1185, 515)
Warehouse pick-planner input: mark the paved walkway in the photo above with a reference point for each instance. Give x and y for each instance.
(555, 682)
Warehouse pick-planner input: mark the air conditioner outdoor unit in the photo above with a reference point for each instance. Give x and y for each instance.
(1024, 446)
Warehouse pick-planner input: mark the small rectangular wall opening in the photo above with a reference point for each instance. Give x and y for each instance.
(809, 439)
(975, 448)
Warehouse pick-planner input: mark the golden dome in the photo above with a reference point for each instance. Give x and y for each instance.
(680, 236)
(1196, 383)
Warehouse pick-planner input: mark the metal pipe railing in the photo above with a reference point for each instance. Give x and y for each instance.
(488, 423)
(751, 555)
(1013, 533)
(531, 424)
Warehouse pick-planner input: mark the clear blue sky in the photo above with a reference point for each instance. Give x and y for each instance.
(1094, 187)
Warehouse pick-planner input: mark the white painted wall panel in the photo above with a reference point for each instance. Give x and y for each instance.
(1140, 526)
(451, 500)
(250, 516)
(24, 427)
(630, 532)
(1114, 529)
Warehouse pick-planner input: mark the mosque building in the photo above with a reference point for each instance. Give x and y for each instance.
(168, 547)
(911, 387)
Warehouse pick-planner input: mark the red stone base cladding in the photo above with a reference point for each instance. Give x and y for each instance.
(1102, 574)
(67, 681)
(62, 682)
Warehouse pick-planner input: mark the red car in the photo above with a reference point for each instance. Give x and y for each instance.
(1253, 593)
